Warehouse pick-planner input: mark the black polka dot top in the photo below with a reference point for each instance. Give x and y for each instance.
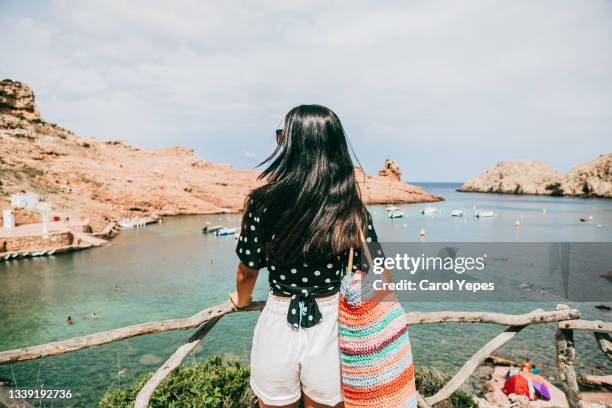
(302, 282)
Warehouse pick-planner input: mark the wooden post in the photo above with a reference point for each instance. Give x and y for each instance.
(566, 351)
(604, 341)
(468, 368)
(146, 392)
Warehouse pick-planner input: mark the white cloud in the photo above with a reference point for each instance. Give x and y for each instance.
(446, 88)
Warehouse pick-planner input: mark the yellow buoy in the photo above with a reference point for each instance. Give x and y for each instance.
(422, 232)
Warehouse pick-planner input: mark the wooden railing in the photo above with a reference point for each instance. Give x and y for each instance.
(206, 319)
(566, 352)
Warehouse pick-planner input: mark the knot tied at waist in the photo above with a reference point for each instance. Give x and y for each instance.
(303, 311)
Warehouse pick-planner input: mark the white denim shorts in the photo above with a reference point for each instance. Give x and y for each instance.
(286, 360)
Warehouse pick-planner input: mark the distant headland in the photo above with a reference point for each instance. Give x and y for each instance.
(590, 179)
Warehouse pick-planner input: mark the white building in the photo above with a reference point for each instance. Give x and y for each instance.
(8, 220)
(29, 201)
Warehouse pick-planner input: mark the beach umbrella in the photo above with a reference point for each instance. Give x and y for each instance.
(541, 390)
(518, 385)
(538, 384)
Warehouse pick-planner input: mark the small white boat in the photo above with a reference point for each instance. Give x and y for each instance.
(37, 253)
(396, 214)
(457, 213)
(24, 254)
(51, 252)
(14, 256)
(225, 231)
(126, 224)
(484, 214)
(391, 207)
(7, 257)
(135, 222)
(429, 210)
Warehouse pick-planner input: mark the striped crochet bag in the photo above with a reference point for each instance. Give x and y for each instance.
(375, 352)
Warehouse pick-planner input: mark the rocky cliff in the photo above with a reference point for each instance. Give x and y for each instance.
(590, 179)
(593, 178)
(104, 180)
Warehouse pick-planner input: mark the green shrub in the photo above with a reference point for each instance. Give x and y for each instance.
(223, 383)
(214, 383)
(430, 381)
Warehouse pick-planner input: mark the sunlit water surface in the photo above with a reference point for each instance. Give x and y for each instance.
(172, 270)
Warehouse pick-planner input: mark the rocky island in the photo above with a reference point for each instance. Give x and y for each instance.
(97, 182)
(589, 179)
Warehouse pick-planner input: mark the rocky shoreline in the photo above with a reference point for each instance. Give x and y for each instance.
(589, 179)
(103, 181)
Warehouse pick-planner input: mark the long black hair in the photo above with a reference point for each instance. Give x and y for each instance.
(311, 197)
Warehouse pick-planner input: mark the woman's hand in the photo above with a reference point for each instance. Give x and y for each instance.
(239, 303)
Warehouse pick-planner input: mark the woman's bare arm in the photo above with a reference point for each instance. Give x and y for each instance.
(245, 283)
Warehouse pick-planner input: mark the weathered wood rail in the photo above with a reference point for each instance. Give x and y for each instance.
(206, 319)
(566, 352)
(97, 339)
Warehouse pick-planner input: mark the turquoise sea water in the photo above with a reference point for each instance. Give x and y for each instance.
(171, 270)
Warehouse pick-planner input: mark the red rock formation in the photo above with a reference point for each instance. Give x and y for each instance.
(17, 99)
(104, 180)
(391, 169)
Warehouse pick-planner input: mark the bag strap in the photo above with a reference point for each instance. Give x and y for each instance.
(366, 250)
(349, 265)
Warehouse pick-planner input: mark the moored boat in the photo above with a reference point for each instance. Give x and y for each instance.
(396, 214)
(429, 210)
(225, 231)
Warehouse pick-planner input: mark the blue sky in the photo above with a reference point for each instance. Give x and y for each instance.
(447, 88)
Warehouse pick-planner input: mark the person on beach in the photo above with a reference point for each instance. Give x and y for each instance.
(527, 365)
(300, 225)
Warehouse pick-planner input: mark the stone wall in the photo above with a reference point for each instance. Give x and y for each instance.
(35, 242)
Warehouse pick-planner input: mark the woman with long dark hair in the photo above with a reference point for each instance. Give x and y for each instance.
(300, 225)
